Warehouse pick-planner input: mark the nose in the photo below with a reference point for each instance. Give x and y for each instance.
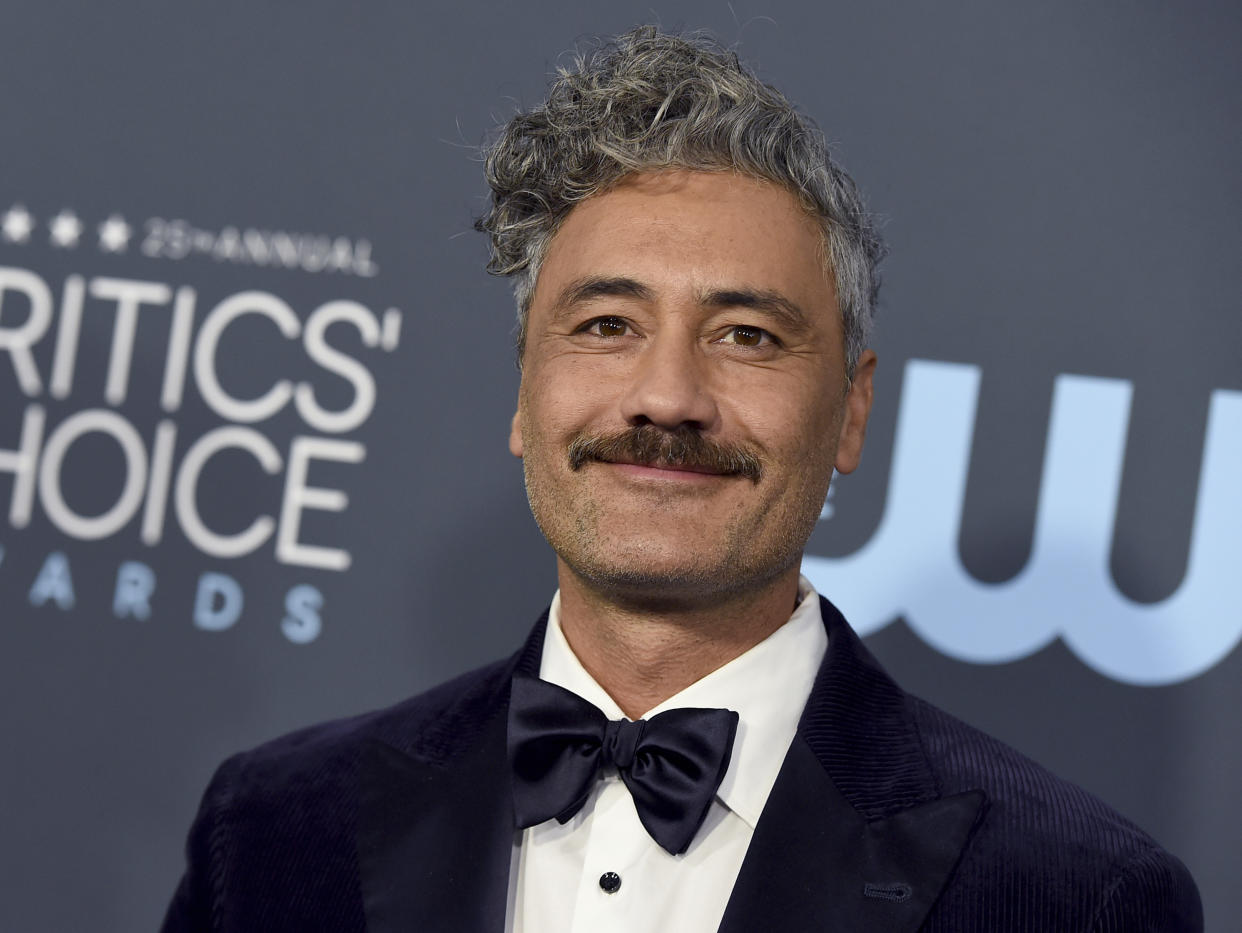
(670, 385)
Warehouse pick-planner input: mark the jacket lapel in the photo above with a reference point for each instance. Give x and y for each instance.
(434, 843)
(436, 826)
(854, 836)
(814, 863)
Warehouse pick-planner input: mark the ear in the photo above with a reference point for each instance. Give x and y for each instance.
(854, 418)
(515, 434)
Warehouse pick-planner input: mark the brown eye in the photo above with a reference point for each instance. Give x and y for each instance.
(748, 336)
(610, 327)
(745, 336)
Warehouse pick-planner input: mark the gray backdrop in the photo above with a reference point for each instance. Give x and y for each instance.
(224, 225)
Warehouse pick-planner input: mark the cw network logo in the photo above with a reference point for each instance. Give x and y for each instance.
(910, 567)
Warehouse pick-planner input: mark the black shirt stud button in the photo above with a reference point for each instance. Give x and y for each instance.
(610, 881)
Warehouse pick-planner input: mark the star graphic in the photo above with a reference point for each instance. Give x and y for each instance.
(16, 224)
(65, 229)
(114, 234)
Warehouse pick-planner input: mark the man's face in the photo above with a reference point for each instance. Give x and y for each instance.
(683, 398)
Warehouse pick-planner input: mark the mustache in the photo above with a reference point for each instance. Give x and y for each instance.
(682, 448)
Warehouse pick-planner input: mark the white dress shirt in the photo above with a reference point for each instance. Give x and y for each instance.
(554, 884)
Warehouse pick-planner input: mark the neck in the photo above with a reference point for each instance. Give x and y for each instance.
(642, 653)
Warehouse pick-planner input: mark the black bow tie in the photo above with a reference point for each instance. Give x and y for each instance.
(672, 763)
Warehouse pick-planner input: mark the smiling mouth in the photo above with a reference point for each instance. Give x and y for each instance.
(657, 466)
(664, 476)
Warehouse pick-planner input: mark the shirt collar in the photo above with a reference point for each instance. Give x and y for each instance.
(768, 686)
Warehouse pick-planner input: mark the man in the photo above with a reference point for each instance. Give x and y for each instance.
(691, 739)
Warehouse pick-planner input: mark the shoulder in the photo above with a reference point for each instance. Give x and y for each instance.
(276, 842)
(286, 811)
(1076, 862)
(434, 725)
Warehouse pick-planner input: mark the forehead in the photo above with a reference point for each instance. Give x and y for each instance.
(691, 231)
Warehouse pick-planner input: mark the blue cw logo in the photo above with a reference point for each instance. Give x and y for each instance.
(910, 566)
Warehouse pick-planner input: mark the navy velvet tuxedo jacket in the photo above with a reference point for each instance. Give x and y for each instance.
(888, 815)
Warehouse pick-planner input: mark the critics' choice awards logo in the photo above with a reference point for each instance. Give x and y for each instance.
(163, 467)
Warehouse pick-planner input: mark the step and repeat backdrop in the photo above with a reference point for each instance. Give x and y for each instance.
(255, 389)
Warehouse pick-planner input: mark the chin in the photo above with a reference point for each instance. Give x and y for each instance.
(653, 583)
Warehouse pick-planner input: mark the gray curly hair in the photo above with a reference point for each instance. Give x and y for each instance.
(647, 101)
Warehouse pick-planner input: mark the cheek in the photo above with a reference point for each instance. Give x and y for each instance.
(574, 401)
(786, 420)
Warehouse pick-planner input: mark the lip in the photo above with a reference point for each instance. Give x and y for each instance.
(687, 475)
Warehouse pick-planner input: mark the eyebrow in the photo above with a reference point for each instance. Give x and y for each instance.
(586, 289)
